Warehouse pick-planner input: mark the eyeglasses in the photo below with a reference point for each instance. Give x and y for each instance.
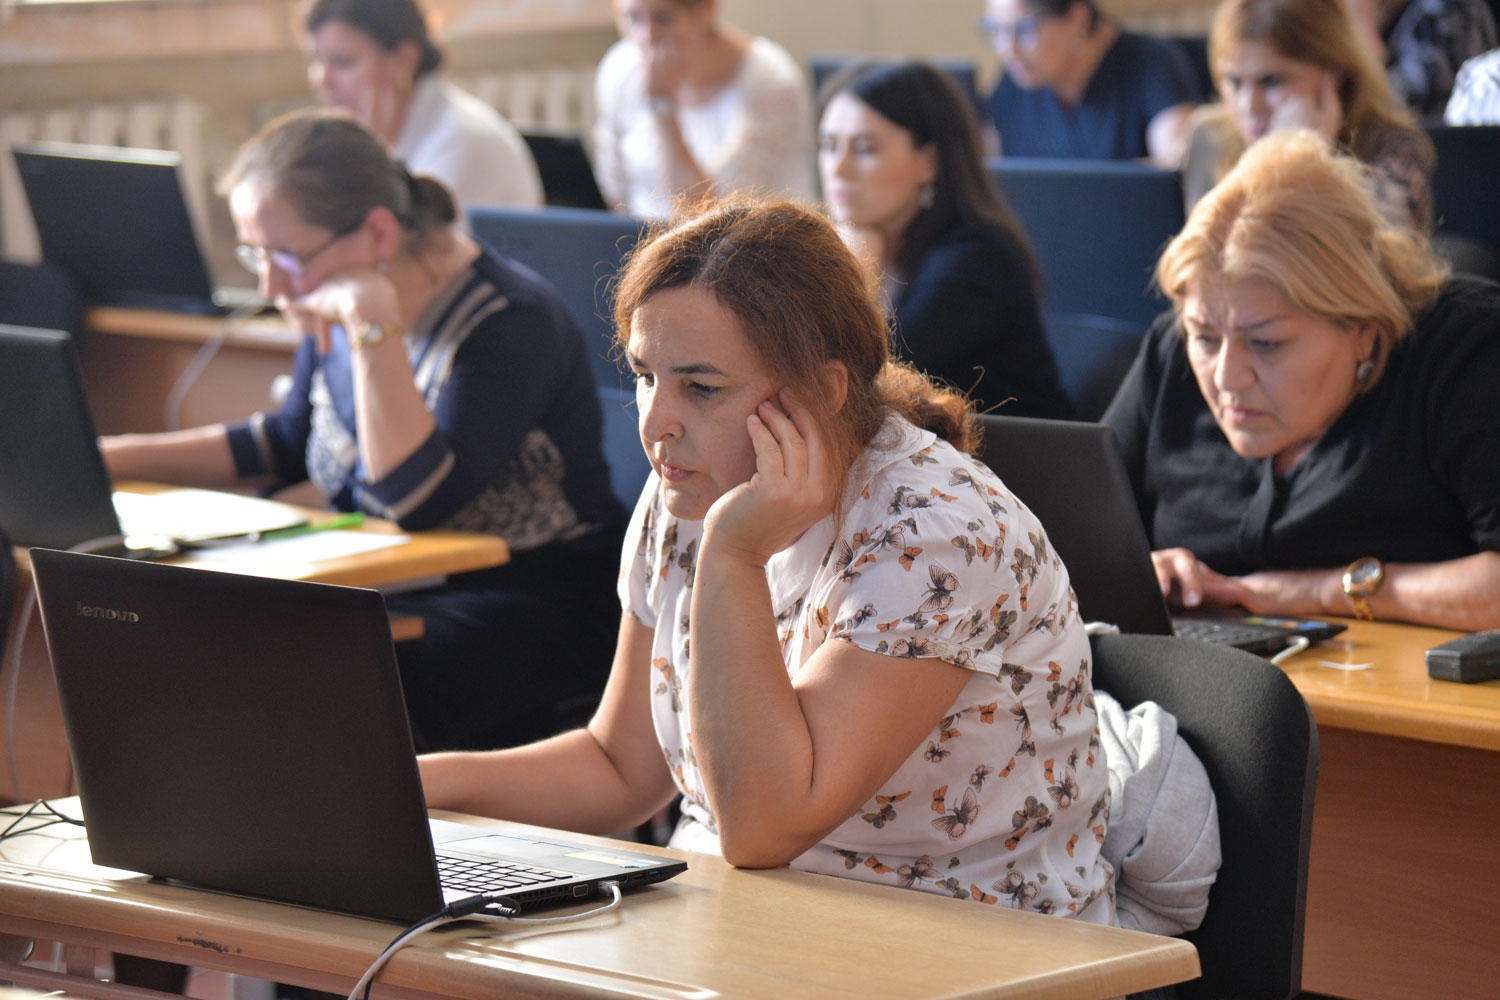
(1023, 33)
(255, 259)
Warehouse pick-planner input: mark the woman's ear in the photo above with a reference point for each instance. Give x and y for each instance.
(834, 381)
(407, 56)
(385, 234)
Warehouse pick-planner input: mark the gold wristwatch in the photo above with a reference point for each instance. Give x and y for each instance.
(1362, 579)
(366, 334)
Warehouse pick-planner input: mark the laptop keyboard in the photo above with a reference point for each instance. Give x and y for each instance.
(1231, 633)
(474, 875)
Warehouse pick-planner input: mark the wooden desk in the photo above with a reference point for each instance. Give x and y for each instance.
(41, 749)
(712, 931)
(1406, 829)
(132, 358)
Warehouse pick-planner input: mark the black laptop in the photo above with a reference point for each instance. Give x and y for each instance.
(54, 488)
(567, 173)
(1070, 474)
(249, 735)
(117, 219)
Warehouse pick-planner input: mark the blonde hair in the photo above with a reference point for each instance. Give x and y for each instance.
(802, 301)
(1300, 217)
(1322, 33)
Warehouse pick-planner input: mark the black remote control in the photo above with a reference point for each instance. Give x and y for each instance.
(1468, 659)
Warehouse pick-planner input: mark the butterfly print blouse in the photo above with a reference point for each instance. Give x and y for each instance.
(1005, 802)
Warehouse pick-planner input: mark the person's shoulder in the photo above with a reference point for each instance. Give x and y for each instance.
(517, 284)
(982, 248)
(1151, 55)
(1467, 310)
(620, 61)
(769, 67)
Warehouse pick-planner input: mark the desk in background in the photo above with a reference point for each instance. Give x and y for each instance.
(41, 765)
(132, 358)
(1406, 829)
(712, 931)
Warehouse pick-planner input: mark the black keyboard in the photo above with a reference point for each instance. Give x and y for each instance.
(1229, 633)
(475, 875)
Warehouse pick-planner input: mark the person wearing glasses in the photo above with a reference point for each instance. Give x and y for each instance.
(1077, 86)
(375, 59)
(438, 386)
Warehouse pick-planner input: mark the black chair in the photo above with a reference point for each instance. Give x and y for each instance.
(1257, 740)
(44, 296)
(1195, 47)
(628, 465)
(1466, 229)
(578, 250)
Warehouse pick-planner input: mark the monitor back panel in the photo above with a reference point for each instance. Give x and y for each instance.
(118, 220)
(54, 489)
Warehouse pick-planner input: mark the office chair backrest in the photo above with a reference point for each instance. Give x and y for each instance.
(43, 296)
(1465, 208)
(578, 250)
(1093, 353)
(1257, 739)
(1097, 227)
(628, 466)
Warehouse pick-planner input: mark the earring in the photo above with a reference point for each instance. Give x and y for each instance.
(1363, 372)
(928, 195)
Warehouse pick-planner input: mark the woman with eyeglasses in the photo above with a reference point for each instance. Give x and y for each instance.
(1076, 85)
(689, 107)
(899, 153)
(438, 386)
(376, 60)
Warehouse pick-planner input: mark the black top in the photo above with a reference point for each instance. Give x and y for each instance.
(970, 317)
(1409, 473)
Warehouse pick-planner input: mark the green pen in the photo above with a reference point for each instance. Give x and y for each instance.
(352, 519)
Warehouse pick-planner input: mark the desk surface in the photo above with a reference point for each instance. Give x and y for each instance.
(423, 556)
(713, 930)
(1373, 679)
(269, 331)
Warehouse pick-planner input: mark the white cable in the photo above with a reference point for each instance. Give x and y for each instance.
(172, 406)
(1297, 644)
(405, 937)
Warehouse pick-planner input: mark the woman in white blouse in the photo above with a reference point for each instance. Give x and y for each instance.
(374, 59)
(690, 107)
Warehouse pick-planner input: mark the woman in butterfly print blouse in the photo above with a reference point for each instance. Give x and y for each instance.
(846, 644)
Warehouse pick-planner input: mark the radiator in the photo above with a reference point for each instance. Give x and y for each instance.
(559, 98)
(175, 124)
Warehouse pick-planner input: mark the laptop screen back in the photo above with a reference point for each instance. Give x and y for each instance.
(54, 489)
(1071, 476)
(118, 220)
(239, 733)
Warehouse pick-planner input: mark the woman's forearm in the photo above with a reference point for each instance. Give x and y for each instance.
(199, 456)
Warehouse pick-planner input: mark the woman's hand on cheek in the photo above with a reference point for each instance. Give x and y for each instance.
(792, 489)
(354, 298)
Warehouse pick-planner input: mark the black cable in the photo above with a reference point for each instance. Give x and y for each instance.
(484, 906)
(49, 816)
